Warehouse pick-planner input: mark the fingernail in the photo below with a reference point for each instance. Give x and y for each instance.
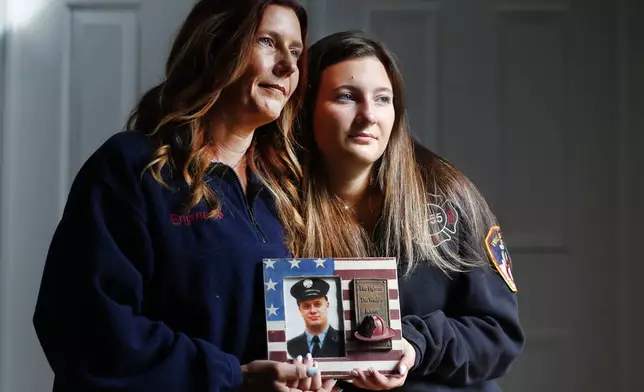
(299, 358)
(311, 372)
(353, 373)
(403, 369)
(309, 356)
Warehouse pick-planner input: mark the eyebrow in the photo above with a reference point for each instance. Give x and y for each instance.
(354, 88)
(297, 44)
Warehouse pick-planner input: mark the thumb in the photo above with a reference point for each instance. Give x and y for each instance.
(290, 372)
(407, 360)
(402, 366)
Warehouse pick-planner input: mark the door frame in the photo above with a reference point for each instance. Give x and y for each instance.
(630, 212)
(4, 64)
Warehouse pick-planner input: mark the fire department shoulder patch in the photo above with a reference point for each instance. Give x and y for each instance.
(499, 255)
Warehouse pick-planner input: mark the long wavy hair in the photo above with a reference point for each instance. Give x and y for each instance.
(409, 176)
(211, 51)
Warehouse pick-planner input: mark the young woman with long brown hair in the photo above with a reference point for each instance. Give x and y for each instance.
(153, 277)
(369, 190)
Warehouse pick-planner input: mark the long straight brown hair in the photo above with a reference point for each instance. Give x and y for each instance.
(211, 52)
(407, 180)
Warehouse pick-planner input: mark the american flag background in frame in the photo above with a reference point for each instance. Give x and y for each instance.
(286, 325)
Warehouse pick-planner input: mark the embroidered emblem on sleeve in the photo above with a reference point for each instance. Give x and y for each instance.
(443, 218)
(499, 255)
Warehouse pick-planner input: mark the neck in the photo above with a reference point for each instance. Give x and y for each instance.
(231, 139)
(230, 146)
(352, 187)
(317, 329)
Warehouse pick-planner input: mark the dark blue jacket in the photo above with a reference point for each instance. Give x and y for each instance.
(465, 329)
(139, 295)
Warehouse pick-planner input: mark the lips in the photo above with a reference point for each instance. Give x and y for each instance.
(275, 87)
(362, 135)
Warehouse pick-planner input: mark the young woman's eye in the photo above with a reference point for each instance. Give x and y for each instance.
(296, 53)
(345, 97)
(384, 99)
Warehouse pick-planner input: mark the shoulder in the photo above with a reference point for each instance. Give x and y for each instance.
(495, 274)
(460, 217)
(115, 167)
(119, 161)
(125, 149)
(298, 339)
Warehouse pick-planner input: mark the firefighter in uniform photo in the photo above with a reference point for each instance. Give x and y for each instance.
(319, 338)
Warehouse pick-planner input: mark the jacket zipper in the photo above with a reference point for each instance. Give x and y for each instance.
(249, 208)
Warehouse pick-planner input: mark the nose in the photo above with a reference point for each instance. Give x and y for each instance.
(366, 115)
(286, 66)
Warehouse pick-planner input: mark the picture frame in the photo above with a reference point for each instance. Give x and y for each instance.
(345, 311)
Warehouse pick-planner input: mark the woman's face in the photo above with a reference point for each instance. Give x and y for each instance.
(354, 112)
(272, 74)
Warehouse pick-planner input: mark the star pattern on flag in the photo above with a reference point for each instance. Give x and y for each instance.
(270, 285)
(270, 263)
(319, 263)
(272, 310)
(279, 273)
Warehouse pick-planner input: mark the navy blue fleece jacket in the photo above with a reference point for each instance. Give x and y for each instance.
(138, 294)
(465, 330)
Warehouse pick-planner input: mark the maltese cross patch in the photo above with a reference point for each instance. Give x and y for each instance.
(443, 218)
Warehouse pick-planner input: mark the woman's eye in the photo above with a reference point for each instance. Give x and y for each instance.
(384, 99)
(266, 41)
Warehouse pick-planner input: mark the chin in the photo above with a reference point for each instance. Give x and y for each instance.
(273, 115)
(363, 159)
(270, 111)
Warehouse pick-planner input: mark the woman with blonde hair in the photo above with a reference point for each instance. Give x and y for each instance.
(370, 191)
(153, 277)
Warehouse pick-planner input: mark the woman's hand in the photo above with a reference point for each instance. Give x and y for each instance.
(275, 376)
(313, 383)
(376, 381)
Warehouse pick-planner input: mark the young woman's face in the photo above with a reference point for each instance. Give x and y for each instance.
(354, 112)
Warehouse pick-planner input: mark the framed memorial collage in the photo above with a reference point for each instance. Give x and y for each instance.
(345, 312)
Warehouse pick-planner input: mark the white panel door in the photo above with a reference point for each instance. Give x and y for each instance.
(521, 96)
(74, 71)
